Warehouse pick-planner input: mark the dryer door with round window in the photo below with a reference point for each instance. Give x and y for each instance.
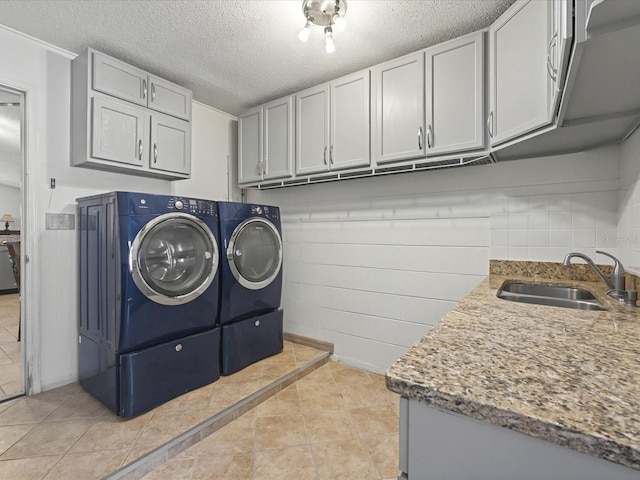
(255, 253)
(174, 259)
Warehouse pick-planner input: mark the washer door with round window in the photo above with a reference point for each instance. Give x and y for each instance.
(173, 259)
(255, 253)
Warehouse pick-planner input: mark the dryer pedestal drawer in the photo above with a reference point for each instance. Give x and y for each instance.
(247, 341)
(154, 375)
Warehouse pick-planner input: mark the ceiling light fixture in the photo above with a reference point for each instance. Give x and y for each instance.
(324, 13)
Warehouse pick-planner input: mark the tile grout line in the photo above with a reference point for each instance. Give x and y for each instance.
(161, 454)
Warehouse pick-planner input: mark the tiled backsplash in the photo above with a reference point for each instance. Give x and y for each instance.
(547, 227)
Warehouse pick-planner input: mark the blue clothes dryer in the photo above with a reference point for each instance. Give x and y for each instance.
(149, 291)
(251, 260)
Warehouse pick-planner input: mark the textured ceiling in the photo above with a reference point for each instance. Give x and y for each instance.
(235, 54)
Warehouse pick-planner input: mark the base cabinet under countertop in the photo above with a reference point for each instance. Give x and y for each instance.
(435, 443)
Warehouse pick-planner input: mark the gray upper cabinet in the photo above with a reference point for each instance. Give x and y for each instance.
(522, 89)
(250, 146)
(118, 132)
(116, 119)
(454, 97)
(350, 121)
(312, 130)
(332, 125)
(399, 132)
(265, 142)
(170, 144)
(278, 138)
(116, 78)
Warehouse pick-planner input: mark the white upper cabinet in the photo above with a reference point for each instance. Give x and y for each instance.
(399, 132)
(278, 138)
(332, 125)
(522, 89)
(116, 122)
(312, 130)
(116, 78)
(250, 146)
(350, 121)
(454, 97)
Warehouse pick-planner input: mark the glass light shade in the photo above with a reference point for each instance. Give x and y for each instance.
(330, 47)
(340, 23)
(304, 34)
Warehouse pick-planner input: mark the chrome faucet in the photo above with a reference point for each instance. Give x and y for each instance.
(616, 285)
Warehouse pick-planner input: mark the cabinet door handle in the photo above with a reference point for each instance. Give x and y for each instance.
(153, 92)
(259, 167)
(325, 154)
(331, 155)
(490, 124)
(155, 153)
(140, 150)
(264, 166)
(429, 135)
(420, 138)
(144, 89)
(551, 68)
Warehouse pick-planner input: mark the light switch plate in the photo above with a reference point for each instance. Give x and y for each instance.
(60, 221)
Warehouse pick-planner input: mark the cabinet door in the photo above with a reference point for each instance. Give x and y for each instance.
(520, 89)
(170, 144)
(350, 121)
(278, 138)
(399, 126)
(118, 79)
(558, 50)
(169, 98)
(250, 167)
(454, 95)
(312, 130)
(117, 132)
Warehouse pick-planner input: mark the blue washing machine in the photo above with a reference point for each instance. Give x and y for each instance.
(149, 291)
(251, 290)
(251, 260)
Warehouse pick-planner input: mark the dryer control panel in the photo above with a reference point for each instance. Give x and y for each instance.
(194, 206)
(266, 211)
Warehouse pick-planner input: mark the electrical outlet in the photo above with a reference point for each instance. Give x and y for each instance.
(60, 221)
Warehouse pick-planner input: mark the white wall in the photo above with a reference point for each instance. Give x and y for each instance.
(212, 154)
(371, 264)
(50, 289)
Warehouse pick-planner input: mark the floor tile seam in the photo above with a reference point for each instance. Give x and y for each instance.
(162, 450)
(133, 445)
(316, 461)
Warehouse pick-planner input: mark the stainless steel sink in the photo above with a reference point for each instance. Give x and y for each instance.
(551, 295)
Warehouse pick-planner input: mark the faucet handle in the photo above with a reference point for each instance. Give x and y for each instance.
(618, 269)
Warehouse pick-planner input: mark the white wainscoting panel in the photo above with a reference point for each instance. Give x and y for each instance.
(372, 264)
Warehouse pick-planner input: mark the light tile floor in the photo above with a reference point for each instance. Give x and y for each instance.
(335, 423)
(10, 350)
(336, 418)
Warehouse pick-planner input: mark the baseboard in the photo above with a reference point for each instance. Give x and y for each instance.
(309, 342)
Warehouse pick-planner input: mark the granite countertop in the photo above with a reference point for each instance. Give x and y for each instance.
(571, 377)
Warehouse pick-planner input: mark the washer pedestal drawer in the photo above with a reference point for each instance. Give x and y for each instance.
(154, 375)
(247, 341)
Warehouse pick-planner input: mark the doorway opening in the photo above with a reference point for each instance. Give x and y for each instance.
(11, 221)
